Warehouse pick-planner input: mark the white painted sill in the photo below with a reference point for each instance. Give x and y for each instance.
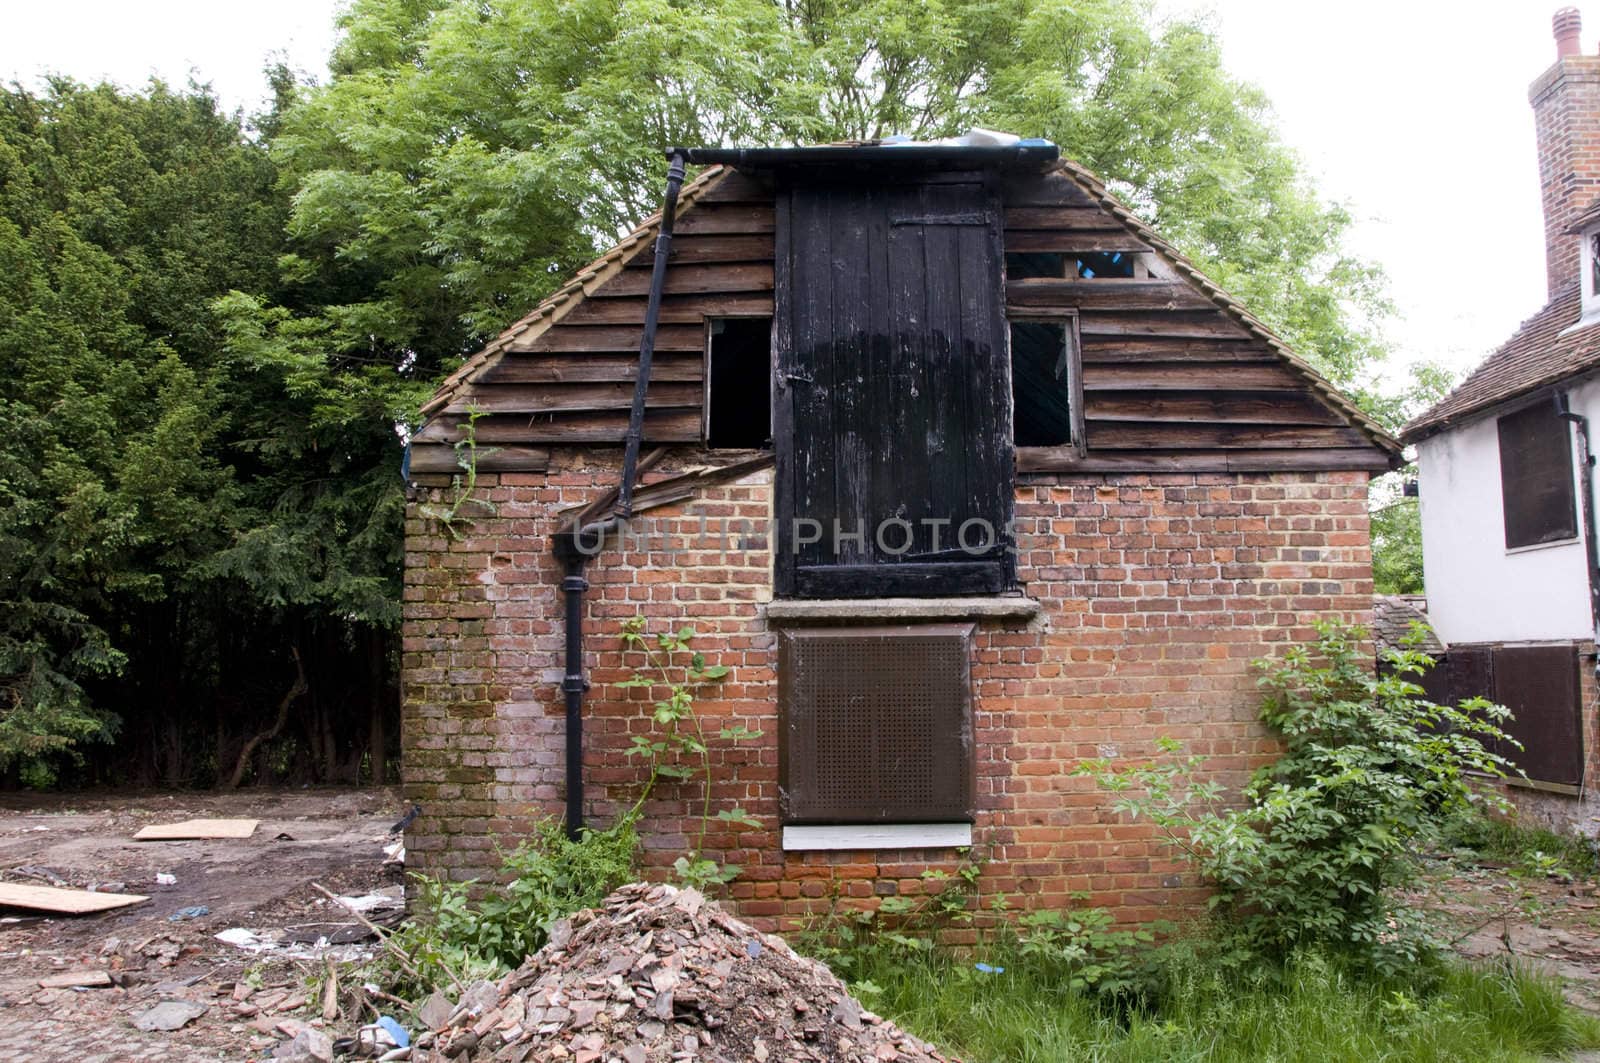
(878, 836)
(1515, 550)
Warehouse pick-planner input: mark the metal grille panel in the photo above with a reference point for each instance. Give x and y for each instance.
(877, 724)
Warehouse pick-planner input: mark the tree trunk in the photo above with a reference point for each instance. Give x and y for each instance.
(377, 738)
(296, 689)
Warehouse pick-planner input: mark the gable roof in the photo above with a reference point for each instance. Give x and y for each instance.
(1538, 354)
(564, 299)
(640, 240)
(1092, 184)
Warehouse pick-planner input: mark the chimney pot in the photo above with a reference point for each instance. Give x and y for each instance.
(1567, 24)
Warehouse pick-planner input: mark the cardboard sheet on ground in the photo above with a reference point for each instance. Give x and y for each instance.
(67, 902)
(197, 828)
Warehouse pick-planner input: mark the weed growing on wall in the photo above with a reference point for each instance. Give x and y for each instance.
(1370, 771)
(678, 749)
(452, 516)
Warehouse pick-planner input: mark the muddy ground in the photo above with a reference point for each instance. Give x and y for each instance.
(337, 838)
(334, 837)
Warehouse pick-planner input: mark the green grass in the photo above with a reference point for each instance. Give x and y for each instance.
(1523, 847)
(1309, 1012)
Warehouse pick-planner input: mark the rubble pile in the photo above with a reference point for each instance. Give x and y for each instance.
(658, 974)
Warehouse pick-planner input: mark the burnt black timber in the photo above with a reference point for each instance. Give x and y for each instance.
(911, 580)
(1061, 218)
(1045, 190)
(727, 218)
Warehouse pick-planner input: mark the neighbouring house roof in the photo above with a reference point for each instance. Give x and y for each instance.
(1392, 617)
(1540, 353)
(458, 385)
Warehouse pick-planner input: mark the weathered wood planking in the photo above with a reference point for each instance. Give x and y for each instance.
(611, 365)
(1169, 379)
(67, 902)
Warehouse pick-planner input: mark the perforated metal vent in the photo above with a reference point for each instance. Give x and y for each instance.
(877, 724)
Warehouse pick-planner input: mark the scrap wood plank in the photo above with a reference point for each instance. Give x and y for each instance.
(198, 828)
(76, 979)
(67, 902)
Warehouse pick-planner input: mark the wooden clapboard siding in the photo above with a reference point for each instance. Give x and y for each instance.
(593, 367)
(1174, 377)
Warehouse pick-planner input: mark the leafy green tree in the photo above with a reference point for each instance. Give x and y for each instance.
(464, 157)
(120, 215)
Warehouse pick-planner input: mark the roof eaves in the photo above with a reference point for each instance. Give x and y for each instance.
(561, 302)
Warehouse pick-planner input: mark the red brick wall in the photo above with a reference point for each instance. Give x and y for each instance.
(1158, 591)
(1566, 113)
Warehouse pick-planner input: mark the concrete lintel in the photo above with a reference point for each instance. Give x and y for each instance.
(880, 610)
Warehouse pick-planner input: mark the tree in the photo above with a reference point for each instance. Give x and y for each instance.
(119, 216)
(465, 157)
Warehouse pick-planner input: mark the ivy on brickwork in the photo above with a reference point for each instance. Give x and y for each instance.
(451, 517)
(678, 749)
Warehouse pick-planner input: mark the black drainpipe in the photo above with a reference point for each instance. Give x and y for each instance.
(1586, 508)
(647, 342)
(574, 546)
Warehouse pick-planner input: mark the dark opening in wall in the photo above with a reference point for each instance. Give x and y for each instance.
(1083, 265)
(1021, 266)
(1092, 264)
(739, 390)
(1041, 383)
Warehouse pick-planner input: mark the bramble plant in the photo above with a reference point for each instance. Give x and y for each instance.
(681, 737)
(1369, 773)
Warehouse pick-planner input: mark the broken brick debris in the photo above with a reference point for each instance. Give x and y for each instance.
(658, 974)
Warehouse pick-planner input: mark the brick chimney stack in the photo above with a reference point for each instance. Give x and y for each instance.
(1566, 115)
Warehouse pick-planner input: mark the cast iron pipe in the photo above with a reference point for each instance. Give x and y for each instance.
(1586, 508)
(647, 343)
(573, 547)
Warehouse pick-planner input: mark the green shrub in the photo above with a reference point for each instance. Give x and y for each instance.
(1370, 771)
(454, 939)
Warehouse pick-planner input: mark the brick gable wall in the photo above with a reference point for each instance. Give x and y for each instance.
(1157, 592)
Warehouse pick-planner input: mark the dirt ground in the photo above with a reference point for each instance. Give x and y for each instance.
(334, 837)
(1549, 922)
(337, 837)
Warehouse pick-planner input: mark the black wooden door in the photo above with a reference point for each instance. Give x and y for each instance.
(892, 388)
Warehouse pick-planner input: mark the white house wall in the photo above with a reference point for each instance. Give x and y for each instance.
(1478, 591)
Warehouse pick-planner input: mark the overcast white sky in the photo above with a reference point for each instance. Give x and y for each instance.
(1415, 113)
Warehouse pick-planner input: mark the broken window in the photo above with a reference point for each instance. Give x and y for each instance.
(1043, 382)
(1081, 265)
(1536, 488)
(738, 383)
(1092, 264)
